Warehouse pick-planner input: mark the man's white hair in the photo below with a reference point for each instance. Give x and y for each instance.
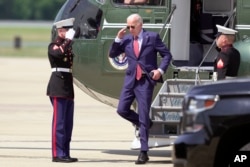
(136, 17)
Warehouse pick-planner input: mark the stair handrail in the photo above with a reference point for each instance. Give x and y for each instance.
(168, 20)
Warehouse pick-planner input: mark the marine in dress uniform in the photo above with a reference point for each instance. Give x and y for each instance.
(141, 48)
(228, 60)
(60, 90)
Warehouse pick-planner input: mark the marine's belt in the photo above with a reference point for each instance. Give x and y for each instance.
(61, 69)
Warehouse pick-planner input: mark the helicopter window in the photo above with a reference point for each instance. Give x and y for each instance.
(89, 25)
(139, 2)
(88, 17)
(101, 1)
(217, 7)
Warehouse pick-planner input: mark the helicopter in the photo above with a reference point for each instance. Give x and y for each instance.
(187, 27)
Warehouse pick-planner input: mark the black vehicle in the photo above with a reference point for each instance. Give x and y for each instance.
(215, 124)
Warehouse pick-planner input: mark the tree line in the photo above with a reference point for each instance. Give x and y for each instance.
(29, 9)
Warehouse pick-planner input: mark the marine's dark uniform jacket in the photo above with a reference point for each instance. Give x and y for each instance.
(60, 56)
(227, 62)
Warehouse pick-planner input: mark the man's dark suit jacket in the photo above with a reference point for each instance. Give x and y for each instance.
(147, 59)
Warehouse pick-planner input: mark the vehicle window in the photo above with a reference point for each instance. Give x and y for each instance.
(139, 2)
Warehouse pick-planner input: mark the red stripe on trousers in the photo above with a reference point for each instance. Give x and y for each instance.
(54, 127)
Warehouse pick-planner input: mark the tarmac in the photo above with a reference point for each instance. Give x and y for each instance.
(100, 137)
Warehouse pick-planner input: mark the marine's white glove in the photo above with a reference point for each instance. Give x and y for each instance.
(70, 34)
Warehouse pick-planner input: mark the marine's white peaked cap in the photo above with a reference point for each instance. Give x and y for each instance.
(67, 23)
(225, 30)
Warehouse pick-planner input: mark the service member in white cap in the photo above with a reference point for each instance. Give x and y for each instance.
(60, 90)
(228, 60)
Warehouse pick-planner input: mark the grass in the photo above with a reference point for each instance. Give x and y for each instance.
(34, 41)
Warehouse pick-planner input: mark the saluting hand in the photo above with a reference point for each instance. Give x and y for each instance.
(121, 33)
(70, 34)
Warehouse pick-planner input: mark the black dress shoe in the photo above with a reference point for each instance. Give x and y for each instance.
(64, 159)
(142, 158)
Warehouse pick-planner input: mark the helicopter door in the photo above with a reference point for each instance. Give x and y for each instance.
(180, 31)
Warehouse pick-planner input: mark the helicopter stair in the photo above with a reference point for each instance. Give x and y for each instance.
(166, 112)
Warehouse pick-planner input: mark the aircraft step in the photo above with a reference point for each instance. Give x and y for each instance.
(165, 128)
(194, 69)
(170, 98)
(166, 108)
(172, 94)
(177, 81)
(172, 122)
(169, 136)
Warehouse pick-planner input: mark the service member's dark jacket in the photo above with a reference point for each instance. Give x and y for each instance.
(60, 56)
(227, 62)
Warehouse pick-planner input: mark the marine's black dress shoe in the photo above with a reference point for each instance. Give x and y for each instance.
(64, 159)
(142, 158)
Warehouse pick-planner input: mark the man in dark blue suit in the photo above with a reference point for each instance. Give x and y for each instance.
(141, 76)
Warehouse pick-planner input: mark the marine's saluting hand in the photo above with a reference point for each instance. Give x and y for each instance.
(70, 34)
